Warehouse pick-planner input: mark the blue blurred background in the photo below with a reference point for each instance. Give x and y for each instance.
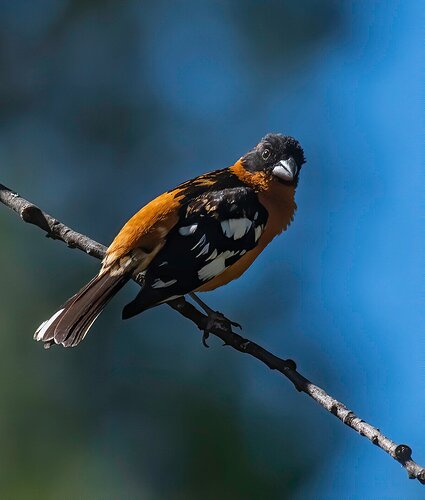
(105, 104)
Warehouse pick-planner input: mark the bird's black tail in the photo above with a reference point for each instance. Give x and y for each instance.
(70, 324)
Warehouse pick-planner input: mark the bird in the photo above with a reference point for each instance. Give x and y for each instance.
(199, 236)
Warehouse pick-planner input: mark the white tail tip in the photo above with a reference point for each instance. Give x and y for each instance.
(42, 329)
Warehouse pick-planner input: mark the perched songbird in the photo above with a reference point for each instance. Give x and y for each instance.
(196, 237)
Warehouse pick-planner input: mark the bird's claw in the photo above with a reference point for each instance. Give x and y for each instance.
(217, 320)
(204, 339)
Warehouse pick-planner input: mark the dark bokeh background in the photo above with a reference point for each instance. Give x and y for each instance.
(104, 104)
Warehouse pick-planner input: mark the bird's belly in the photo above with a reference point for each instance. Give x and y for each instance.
(232, 272)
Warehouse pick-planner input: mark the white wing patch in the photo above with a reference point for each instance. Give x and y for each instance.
(236, 228)
(216, 266)
(41, 330)
(258, 232)
(188, 230)
(213, 255)
(158, 283)
(201, 242)
(204, 251)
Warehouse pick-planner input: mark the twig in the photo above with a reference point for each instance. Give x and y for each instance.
(55, 229)
(30, 213)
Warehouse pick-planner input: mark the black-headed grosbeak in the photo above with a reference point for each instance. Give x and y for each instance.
(201, 235)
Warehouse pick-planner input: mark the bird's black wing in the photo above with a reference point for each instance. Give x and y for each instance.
(215, 229)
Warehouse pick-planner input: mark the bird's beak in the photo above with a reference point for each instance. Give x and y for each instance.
(286, 170)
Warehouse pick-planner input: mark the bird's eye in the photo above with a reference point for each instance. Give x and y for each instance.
(265, 154)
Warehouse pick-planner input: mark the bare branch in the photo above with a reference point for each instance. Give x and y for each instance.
(402, 453)
(30, 213)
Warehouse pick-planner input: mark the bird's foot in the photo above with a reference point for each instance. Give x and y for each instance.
(217, 320)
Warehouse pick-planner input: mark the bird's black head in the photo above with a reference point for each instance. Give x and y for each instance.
(281, 156)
